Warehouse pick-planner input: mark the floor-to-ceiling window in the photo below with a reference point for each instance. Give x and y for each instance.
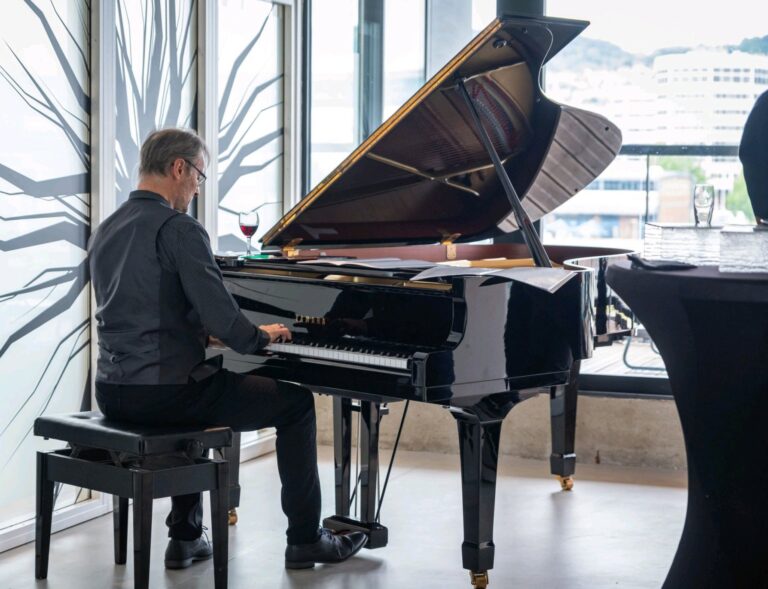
(45, 112)
(251, 105)
(367, 59)
(333, 85)
(404, 64)
(50, 119)
(156, 77)
(679, 81)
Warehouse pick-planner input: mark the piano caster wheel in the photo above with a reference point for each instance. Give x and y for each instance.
(232, 517)
(566, 483)
(479, 579)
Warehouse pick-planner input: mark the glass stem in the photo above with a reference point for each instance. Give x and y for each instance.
(248, 248)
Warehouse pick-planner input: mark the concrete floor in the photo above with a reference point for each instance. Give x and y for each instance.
(618, 528)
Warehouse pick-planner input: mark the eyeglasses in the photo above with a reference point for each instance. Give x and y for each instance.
(201, 177)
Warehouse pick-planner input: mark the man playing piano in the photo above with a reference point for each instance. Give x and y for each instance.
(160, 297)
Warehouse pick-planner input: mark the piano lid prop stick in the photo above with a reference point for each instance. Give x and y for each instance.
(532, 240)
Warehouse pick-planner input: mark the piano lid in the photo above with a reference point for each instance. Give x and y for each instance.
(424, 177)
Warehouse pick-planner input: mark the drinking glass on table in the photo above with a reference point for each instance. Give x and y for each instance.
(703, 204)
(249, 223)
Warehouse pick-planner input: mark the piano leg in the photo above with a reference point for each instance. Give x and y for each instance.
(369, 470)
(562, 404)
(479, 448)
(232, 455)
(342, 451)
(369, 459)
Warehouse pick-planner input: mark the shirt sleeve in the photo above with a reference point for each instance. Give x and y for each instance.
(184, 245)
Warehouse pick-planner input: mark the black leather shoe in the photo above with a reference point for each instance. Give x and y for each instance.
(329, 548)
(182, 553)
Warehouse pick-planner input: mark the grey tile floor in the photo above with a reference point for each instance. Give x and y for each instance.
(618, 528)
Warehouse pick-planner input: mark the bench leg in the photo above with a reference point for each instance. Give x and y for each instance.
(120, 524)
(219, 525)
(232, 455)
(43, 516)
(142, 528)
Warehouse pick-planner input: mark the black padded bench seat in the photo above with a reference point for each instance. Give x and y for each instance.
(90, 429)
(130, 461)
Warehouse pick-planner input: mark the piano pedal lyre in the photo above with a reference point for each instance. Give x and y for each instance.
(232, 516)
(566, 483)
(479, 579)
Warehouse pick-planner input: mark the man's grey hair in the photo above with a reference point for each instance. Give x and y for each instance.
(161, 148)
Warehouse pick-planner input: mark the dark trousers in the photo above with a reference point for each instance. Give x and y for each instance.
(244, 403)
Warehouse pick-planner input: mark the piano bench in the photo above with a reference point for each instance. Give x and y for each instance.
(136, 462)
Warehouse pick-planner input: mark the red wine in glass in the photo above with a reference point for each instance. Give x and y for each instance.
(249, 223)
(248, 230)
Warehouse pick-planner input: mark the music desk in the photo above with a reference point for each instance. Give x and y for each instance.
(712, 331)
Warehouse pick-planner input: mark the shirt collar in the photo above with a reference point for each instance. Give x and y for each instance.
(148, 195)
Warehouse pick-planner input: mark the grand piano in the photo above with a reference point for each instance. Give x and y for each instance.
(378, 273)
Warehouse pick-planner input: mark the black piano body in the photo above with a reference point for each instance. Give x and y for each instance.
(424, 189)
(475, 345)
(452, 341)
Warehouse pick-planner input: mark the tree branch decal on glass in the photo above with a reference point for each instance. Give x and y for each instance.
(250, 117)
(44, 220)
(156, 77)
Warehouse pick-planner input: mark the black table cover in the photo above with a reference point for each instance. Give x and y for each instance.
(712, 331)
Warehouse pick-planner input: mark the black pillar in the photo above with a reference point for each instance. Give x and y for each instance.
(520, 7)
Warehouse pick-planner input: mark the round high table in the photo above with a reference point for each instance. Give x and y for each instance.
(712, 331)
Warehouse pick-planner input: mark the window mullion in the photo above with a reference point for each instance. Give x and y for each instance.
(370, 97)
(208, 112)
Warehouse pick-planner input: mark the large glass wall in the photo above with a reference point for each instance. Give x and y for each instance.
(156, 77)
(45, 109)
(403, 52)
(681, 96)
(251, 113)
(691, 83)
(333, 85)
(44, 214)
(336, 82)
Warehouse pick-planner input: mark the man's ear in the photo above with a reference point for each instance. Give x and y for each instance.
(177, 167)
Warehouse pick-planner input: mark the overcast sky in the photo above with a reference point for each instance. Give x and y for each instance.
(646, 25)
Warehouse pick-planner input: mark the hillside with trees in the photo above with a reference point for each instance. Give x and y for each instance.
(585, 53)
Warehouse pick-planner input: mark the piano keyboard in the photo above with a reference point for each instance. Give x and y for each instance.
(337, 354)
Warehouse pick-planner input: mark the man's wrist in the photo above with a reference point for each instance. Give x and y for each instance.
(263, 338)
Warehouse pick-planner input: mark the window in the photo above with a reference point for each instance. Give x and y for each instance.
(45, 207)
(251, 103)
(156, 87)
(334, 84)
(367, 60)
(403, 52)
(684, 91)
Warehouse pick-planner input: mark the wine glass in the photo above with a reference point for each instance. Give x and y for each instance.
(703, 203)
(249, 223)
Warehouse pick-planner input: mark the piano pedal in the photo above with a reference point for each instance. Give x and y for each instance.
(378, 535)
(566, 483)
(479, 579)
(232, 516)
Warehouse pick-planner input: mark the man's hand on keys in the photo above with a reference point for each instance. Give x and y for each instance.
(277, 332)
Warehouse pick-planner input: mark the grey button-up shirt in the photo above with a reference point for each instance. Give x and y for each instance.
(159, 293)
